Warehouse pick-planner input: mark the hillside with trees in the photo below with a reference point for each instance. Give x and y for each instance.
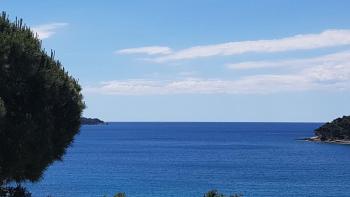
(338, 129)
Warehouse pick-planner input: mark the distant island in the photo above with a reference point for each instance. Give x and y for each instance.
(337, 131)
(91, 121)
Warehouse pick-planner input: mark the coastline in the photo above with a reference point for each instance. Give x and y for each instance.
(318, 139)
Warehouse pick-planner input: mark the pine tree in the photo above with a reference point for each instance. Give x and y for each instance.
(40, 105)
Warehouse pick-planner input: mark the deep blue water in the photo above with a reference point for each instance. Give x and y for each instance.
(188, 159)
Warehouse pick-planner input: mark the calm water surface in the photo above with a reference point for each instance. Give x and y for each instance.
(187, 159)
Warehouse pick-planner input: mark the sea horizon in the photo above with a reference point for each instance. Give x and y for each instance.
(213, 122)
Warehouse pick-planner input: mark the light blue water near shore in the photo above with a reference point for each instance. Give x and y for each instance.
(188, 159)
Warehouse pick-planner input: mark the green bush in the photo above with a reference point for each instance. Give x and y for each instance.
(40, 105)
(121, 194)
(215, 193)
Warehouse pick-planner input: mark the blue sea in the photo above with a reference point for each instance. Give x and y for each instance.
(188, 159)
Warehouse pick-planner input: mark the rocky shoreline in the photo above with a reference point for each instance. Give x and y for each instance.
(318, 139)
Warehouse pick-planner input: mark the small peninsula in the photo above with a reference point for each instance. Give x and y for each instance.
(337, 131)
(91, 121)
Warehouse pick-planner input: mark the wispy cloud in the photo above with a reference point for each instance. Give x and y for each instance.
(328, 38)
(47, 30)
(151, 50)
(326, 76)
(331, 59)
(328, 72)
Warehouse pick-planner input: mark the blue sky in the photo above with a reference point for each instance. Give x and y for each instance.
(201, 60)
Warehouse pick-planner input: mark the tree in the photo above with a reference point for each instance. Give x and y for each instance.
(40, 107)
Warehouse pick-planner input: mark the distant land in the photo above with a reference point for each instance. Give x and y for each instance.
(91, 121)
(337, 131)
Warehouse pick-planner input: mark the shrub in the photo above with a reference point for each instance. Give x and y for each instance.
(215, 193)
(120, 194)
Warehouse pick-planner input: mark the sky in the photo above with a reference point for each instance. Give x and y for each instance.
(200, 60)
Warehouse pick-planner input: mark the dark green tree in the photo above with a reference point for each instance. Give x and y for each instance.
(40, 107)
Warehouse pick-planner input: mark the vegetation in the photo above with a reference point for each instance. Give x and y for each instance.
(120, 195)
(338, 129)
(211, 193)
(17, 191)
(40, 105)
(2, 109)
(215, 193)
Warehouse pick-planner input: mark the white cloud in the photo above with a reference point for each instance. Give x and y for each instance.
(146, 87)
(325, 77)
(328, 38)
(151, 50)
(326, 73)
(47, 30)
(256, 84)
(331, 59)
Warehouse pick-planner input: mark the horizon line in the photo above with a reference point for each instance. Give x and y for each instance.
(215, 122)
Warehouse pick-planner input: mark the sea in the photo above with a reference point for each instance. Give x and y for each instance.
(188, 159)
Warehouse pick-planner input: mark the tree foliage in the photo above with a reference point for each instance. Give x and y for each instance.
(215, 193)
(17, 191)
(338, 129)
(120, 194)
(41, 105)
(2, 109)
